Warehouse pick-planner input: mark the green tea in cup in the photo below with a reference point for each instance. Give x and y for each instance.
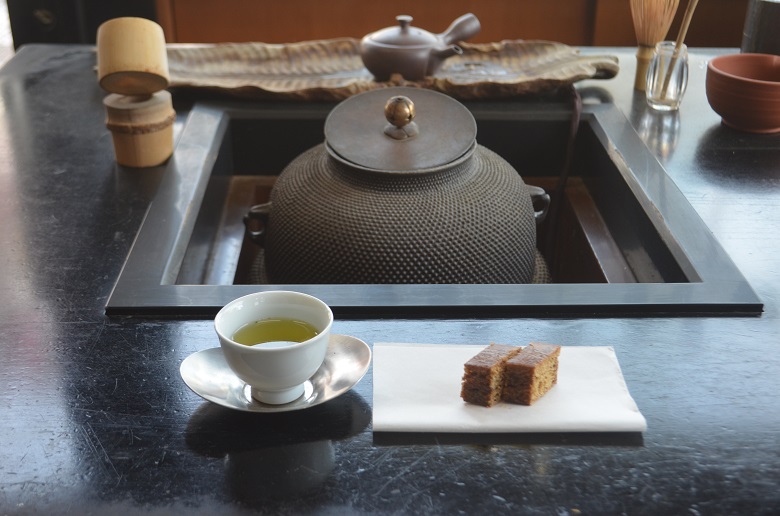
(274, 332)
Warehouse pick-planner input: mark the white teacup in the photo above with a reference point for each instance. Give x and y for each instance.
(276, 374)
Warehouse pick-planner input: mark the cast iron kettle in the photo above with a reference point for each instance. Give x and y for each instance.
(413, 52)
(400, 192)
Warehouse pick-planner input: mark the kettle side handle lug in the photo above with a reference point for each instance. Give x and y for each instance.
(256, 222)
(541, 202)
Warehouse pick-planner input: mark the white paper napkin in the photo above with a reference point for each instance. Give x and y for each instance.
(417, 389)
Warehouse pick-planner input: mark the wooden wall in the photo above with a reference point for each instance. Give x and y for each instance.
(717, 23)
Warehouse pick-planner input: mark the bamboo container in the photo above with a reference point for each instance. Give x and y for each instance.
(132, 58)
(141, 128)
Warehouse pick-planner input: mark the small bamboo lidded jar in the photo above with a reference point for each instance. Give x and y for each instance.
(141, 127)
(133, 67)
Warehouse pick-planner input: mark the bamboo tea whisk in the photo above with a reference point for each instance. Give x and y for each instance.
(652, 19)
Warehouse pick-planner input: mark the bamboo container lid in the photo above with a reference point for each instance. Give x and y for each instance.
(141, 128)
(132, 58)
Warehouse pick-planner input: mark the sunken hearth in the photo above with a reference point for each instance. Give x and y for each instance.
(625, 239)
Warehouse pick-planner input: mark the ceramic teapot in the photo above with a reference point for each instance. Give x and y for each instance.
(399, 192)
(413, 52)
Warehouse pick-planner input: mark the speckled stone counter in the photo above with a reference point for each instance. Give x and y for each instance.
(95, 419)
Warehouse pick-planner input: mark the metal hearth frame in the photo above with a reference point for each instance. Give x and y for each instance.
(147, 283)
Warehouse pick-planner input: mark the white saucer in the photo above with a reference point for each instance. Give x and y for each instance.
(209, 376)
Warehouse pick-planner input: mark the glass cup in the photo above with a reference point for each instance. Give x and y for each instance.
(667, 76)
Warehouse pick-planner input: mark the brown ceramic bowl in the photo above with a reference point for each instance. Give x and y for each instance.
(744, 89)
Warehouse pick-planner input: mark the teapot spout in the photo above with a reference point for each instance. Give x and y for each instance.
(460, 30)
(442, 53)
(438, 55)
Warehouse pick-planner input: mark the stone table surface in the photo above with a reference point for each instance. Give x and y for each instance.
(95, 418)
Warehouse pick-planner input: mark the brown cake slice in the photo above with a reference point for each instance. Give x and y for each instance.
(530, 374)
(483, 375)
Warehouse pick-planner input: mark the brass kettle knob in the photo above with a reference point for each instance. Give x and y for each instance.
(400, 112)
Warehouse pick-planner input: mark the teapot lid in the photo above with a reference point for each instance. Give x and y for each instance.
(400, 130)
(403, 35)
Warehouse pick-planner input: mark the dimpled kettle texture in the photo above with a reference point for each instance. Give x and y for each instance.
(472, 223)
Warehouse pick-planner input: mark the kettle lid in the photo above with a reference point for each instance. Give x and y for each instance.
(400, 130)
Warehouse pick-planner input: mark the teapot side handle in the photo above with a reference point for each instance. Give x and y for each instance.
(463, 28)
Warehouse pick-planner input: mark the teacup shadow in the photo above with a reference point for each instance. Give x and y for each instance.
(272, 456)
(279, 472)
(215, 431)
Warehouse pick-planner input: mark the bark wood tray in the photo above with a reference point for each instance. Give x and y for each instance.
(328, 70)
